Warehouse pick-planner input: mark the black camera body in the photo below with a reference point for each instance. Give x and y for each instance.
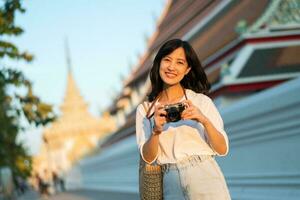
(174, 111)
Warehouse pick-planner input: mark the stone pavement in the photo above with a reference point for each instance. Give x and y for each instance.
(29, 195)
(81, 195)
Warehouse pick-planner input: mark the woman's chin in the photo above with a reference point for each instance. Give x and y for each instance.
(171, 83)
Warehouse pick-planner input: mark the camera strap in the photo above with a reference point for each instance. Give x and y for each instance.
(185, 94)
(151, 106)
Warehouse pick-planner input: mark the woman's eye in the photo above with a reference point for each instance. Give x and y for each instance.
(180, 63)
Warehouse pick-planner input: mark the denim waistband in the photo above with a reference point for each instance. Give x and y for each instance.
(188, 161)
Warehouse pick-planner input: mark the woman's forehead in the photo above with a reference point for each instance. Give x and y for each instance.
(178, 54)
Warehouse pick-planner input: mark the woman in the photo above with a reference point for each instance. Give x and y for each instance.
(186, 148)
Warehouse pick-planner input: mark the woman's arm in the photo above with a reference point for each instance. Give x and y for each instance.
(149, 149)
(216, 139)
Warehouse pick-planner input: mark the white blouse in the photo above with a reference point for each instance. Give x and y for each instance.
(183, 138)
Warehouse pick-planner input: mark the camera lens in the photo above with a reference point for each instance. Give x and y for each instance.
(173, 114)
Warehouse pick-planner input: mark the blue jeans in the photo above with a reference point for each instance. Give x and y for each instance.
(194, 178)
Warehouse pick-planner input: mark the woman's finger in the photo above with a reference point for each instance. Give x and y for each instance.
(161, 112)
(189, 115)
(161, 120)
(187, 110)
(188, 102)
(157, 107)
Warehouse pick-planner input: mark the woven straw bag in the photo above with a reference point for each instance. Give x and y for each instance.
(150, 181)
(150, 177)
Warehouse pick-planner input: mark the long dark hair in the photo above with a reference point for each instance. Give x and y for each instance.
(195, 80)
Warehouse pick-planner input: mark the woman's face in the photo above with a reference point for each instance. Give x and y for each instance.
(174, 67)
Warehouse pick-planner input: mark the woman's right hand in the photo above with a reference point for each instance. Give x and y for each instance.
(159, 119)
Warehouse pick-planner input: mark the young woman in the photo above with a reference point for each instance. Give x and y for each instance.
(186, 148)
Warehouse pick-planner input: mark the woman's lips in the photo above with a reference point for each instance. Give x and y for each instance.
(170, 75)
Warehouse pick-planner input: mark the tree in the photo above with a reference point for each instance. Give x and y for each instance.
(14, 102)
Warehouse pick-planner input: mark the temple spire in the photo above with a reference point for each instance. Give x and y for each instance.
(68, 57)
(72, 97)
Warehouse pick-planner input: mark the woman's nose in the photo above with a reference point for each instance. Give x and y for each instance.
(171, 66)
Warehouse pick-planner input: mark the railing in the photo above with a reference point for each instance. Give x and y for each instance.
(263, 161)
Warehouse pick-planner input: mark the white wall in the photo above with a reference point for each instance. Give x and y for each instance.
(264, 132)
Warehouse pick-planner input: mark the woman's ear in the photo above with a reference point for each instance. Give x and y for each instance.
(187, 70)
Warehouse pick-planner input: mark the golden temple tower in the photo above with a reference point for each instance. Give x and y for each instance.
(73, 134)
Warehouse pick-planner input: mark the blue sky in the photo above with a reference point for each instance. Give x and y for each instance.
(104, 38)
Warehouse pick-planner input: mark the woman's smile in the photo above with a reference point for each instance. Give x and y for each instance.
(171, 74)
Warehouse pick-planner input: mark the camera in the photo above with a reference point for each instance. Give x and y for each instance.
(174, 111)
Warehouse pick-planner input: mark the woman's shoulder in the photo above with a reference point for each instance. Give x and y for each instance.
(143, 107)
(198, 97)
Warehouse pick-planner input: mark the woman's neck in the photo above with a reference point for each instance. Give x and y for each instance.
(172, 94)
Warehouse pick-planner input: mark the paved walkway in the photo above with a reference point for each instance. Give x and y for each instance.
(81, 195)
(29, 195)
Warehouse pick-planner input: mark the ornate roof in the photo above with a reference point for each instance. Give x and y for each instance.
(75, 117)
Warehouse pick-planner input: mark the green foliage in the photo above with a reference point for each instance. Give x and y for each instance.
(14, 104)
(8, 28)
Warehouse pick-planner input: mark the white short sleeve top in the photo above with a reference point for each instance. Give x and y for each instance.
(185, 137)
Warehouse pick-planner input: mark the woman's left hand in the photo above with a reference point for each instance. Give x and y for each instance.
(194, 113)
